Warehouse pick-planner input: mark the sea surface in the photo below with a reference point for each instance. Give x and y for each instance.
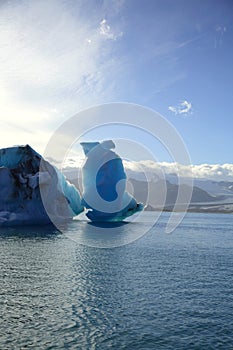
(163, 291)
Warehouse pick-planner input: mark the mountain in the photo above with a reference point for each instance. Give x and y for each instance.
(207, 196)
(219, 199)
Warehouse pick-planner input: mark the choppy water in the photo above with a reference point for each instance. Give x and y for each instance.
(160, 292)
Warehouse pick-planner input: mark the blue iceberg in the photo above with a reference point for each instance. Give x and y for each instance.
(25, 177)
(104, 184)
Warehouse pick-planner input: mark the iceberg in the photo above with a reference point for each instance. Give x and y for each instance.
(32, 191)
(104, 184)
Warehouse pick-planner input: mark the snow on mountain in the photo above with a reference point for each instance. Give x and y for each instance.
(215, 188)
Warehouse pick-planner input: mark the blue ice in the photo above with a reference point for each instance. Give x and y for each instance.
(20, 191)
(104, 184)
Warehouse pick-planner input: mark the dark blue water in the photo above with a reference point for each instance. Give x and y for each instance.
(160, 292)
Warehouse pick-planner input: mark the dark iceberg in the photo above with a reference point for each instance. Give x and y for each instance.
(28, 185)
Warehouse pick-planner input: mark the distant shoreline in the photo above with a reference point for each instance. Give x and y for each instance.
(214, 210)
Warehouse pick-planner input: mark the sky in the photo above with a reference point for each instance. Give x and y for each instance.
(173, 56)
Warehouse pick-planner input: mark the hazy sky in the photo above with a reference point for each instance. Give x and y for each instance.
(175, 56)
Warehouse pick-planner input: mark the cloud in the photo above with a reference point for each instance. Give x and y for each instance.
(220, 29)
(183, 108)
(106, 31)
(172, 109)
(53, 63)
(155, 170)
(215, 172)
(219, 33)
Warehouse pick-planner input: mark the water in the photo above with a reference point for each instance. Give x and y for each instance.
(160, 292)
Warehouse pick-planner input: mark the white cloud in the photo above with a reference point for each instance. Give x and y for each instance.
(183, 107)
(219, 33)
(172, 109)
(53, 63)
(106, 31)
(221, 29)
(153, 170)
(215, 172)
